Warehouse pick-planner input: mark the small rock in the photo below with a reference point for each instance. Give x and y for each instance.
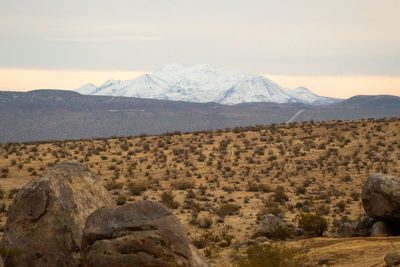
(298, 232)
(323, 261)
(223, 244)
(392, 259)
(380, 229)
(261, 239)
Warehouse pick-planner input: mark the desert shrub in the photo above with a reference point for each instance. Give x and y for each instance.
(279, 194)
(167, 198)
(300, 190)
(253, 187)
(204, 222)
(4, 172)
(346, 178)
(322, 209)
(2, 193)
(205, 240)
(271, 207)
(227, 237)
(182, 185)
(341, 205)
(312, 224)
(355, 196)
(112, 185)
(277, 255)
(190, 194)
(281, 232)
(137, 188)
(227, 209)
(121, 199)
(3, 208)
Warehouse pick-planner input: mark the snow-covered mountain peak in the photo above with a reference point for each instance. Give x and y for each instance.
(205, 83)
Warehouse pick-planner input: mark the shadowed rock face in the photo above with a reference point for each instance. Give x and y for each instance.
(381, 198)
(44, 226)
(143, 233)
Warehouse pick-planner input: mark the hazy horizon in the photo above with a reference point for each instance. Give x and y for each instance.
(337, 49)
(331, 86)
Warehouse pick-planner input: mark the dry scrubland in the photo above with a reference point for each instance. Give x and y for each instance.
(219, 182)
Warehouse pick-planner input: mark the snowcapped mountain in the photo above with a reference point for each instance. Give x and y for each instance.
(205, 83)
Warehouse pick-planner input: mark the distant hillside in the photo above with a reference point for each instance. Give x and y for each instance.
(357, 107)
(60, 115)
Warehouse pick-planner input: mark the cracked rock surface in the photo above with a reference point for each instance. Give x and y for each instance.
(143, 233)
(44, 226)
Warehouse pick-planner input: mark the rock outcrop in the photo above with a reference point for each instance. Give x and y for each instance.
(381, 198)
(45, 223)
(143, 233)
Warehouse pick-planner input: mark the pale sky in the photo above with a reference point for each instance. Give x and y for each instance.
(335, 48)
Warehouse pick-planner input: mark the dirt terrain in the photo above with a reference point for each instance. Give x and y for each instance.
(218, 182)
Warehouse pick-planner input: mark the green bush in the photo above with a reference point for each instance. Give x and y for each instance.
(273, 256)
(312, 224)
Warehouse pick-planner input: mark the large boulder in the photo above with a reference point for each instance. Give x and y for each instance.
(381, 198)
(45, 223)
(143, 233)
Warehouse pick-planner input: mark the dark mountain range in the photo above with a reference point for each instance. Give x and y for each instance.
(59, 115)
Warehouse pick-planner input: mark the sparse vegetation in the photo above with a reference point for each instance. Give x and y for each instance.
(312, 171)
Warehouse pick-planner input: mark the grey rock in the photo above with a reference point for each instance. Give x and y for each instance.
(143, 233)
(268, 224)
(380, 229)
(298, 232)
(392, 259)
(381, 198)
(356, 229)
(45, 223)
(261, 239)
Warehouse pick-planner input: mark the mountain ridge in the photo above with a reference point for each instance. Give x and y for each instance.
(205, 83)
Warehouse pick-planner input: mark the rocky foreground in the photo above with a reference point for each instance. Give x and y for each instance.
(66, 218)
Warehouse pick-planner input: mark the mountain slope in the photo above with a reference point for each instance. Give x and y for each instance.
(60, 115)
(356, 107)
(205, 83)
